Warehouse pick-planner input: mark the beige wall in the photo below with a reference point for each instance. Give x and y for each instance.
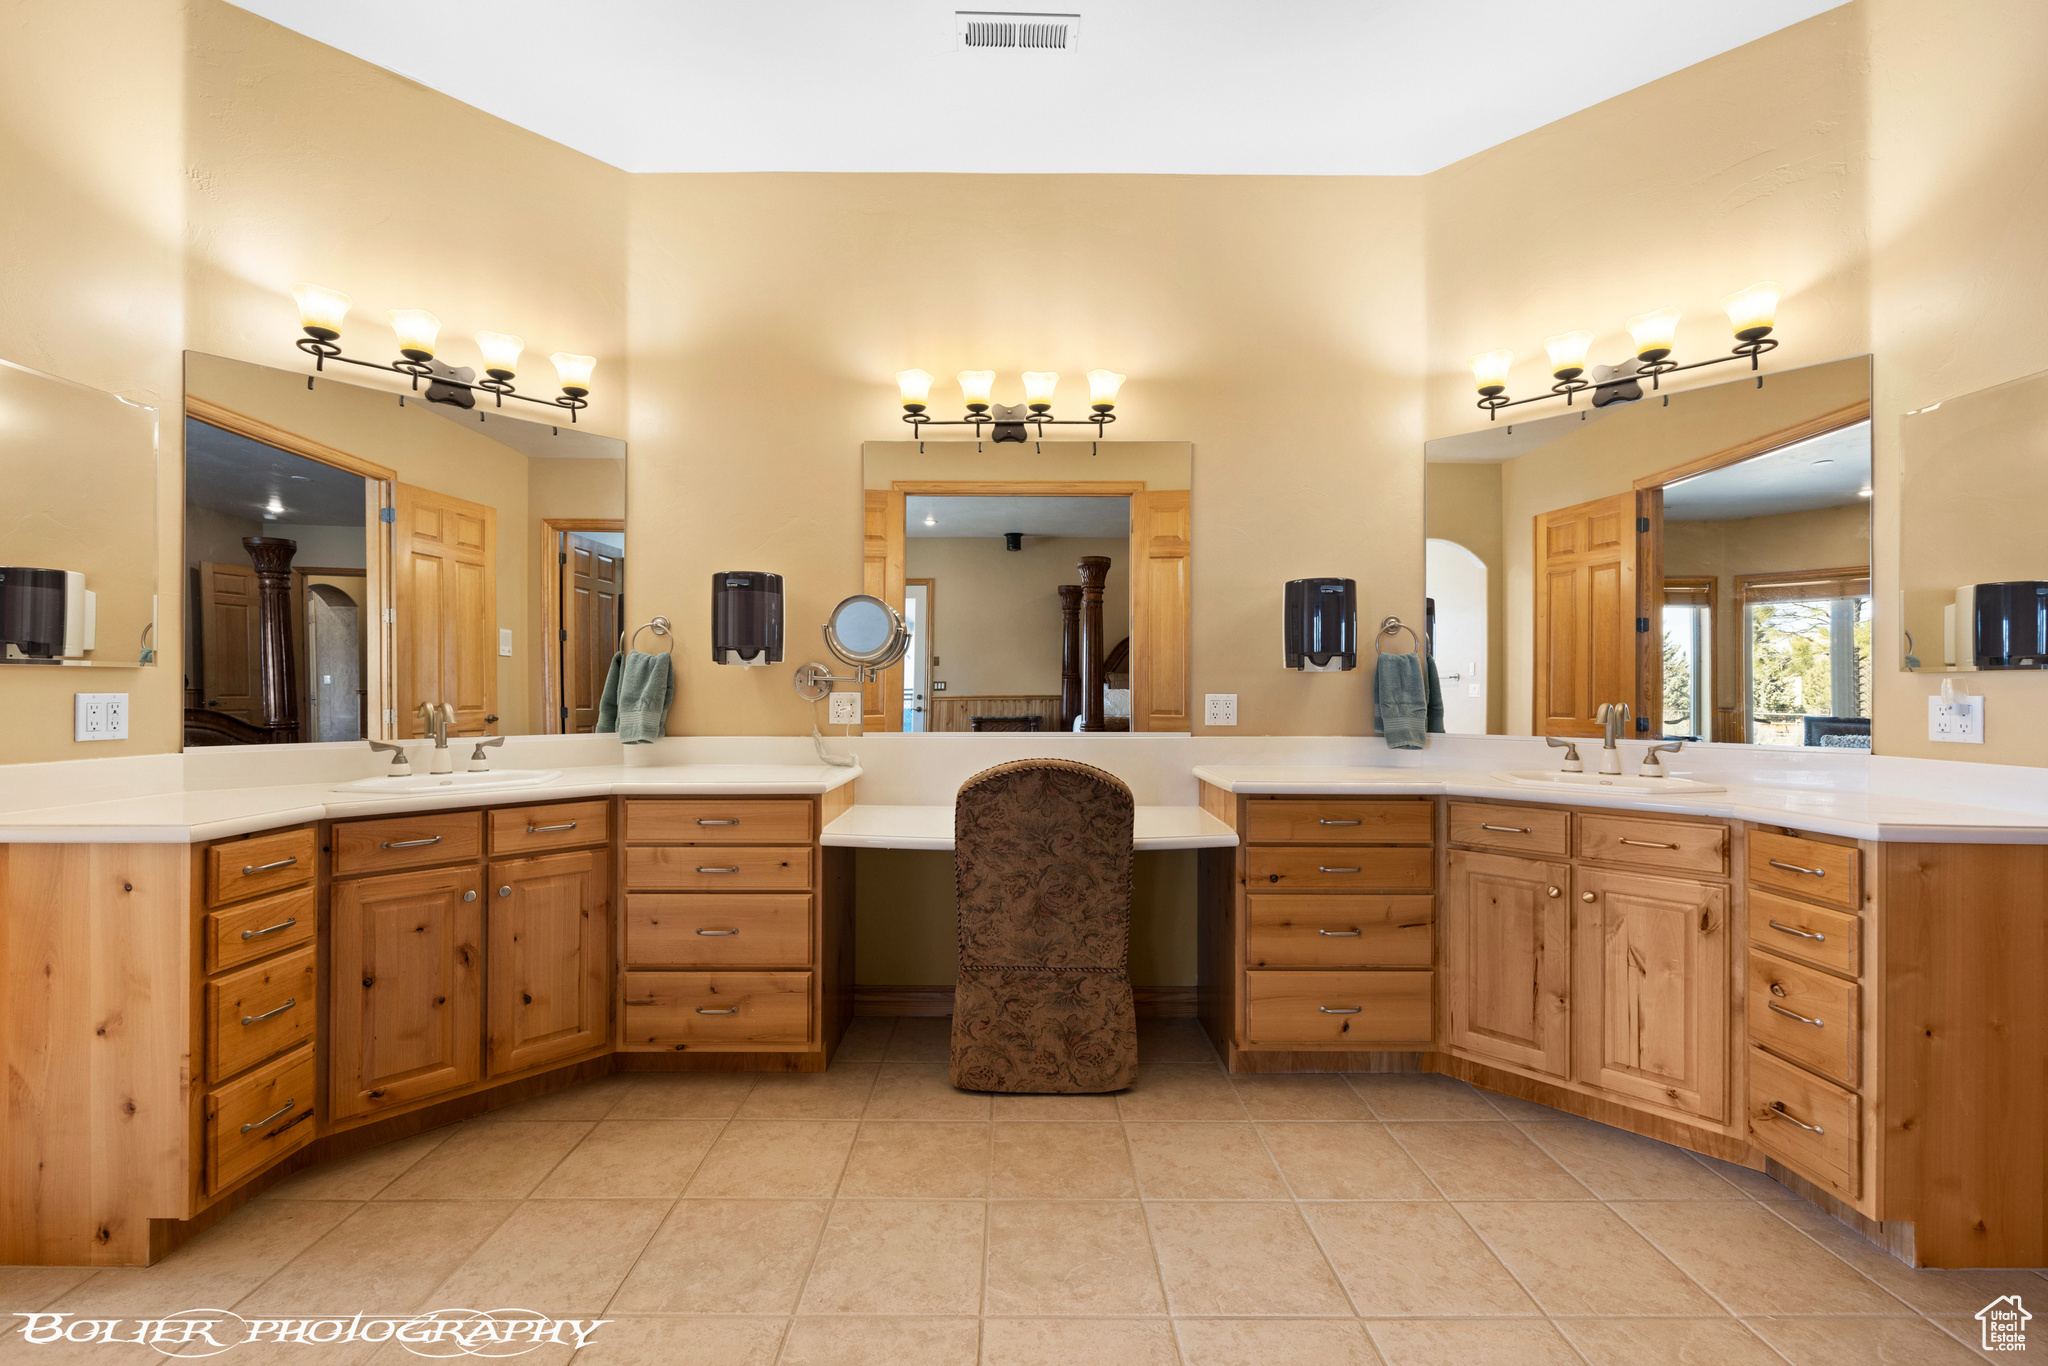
(1462, 503)
(996, 612)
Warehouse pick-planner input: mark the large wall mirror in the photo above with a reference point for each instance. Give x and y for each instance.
(1045, 584)
(353, 555)
(77, 524)
(1702, 557)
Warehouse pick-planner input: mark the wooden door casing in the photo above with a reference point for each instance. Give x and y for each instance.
(547, 987)
(1162, 527)
(1586, 561)
(229, 653)
(1507, 940)
(447, 603)
(883, 556)
(593, 594)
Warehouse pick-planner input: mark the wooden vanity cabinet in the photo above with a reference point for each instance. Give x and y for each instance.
(1507, 960)
(548, 956)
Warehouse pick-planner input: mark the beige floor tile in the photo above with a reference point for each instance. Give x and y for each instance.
(918, 1159)
(865, 1040)
(725, 1257)
(1275, 1342)
(1485, 1161)
(1239, 1259)
(898, 1257)
(1053, 1258)
(488, 1162)
(682, 1095)
(15, 1351)
(560, 1257)
(921, 1038)
(1299, 1097)
(882, 1342)
(359, 1176)
(1056, 1109)
(216, 1268)
(28, 1288)
(1934, 1293)
(588, 1100)
(1754, 1262)
(1666, 1342)
(1173, 1040)
(386, 1258)
(1203, 1161)
(1419, 1095)
(1969, 1333)
(923, 1091)
(691, 1341)
(631, 1159)
(1470, 1342)
(1745, 1179)
(841, 1093)
(1323, 1161)
(770, 1158)
(1521, 1111)
(1617, 1165)
(1068, 1342)
(1042, 1161)
(1578, 1257)
(1863, 1342)
(1414, 1258)
(1180, 1091)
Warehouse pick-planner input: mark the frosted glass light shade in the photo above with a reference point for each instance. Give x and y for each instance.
(974, 387)
(1038, 387)
(916, 387)
(1568, 353)
(574, 372)
(1654, 333)
(321, 310)
(501, 353)
(1102, 387)
(417, 330)
(1490, 371)
(1753, 310)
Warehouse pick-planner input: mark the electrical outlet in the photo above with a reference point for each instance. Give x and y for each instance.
(1960, 722)
(99, 716)
(505, 643)
(846, 709)
(1221, 708)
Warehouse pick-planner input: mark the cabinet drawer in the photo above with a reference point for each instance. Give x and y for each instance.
(1808, 1124)
(253, 1122)
(1828, 939)
(713, 1009)
(398, 842)
(1338, 868)
(537, 829)
(1351, 1009)
(242, 934)
(1654, 846)
(1339, 931)
(698, 868)
(258, 1013)
(259, 864)
(709, 930)
(1826, 873)
(1270, 820)
(1806, 1015)
(719, 820)
(1512, 829)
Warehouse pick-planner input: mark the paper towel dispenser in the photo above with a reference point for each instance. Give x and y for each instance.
(45, 613)
(2008, 624)
(746, 618)
(1321, 629)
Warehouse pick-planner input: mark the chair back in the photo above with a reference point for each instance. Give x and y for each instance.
(1042, 866)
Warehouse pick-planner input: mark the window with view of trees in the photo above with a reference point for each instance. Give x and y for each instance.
(1808, 655)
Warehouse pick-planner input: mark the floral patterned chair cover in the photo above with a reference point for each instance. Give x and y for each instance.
(1042, 871)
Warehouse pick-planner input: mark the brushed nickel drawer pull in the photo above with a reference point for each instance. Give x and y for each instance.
(249, 868)
(1817, 1024)
(284, 924)
(1342, 934)
(1324, 820)
(1795, 868)
(719, 820)
(1340, 1010)
(1778, 1108)
(267, 1118)
(734, 869)
(1507, 829)
(1646, 844)
(1321, 869)
(707, 1010)
(717, 934)
(410, 844)
(257, 1019)
(549, 829)
(1557, 891)
(1803, 934)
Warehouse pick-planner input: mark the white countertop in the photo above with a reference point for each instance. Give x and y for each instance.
(1825, 810)
(931, 827)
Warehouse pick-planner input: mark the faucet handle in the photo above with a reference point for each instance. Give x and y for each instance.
(1571, 753)
(1652, 766)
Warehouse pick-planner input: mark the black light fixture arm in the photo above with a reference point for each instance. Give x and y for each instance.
(1653, 370)
(323, 350)
(977, 421)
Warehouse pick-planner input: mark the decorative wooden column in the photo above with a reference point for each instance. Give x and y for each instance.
(272, 556)
(1094, 574)
(1070, 654)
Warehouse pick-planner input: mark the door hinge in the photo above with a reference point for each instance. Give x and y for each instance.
(1642, 524)
(391, 716)
(565, 636)
(391, 616)
(1642, 623)
(565, 713)
(387, 514)
(1642, 723)
(562, 557)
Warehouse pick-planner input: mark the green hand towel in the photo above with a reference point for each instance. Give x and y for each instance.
(1399, 700)
(608, 700)
(1436, 699)
(637, 692)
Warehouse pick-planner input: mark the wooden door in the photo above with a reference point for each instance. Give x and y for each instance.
(593, 597)
(1161, 525)
(882, 561)
(447, 599)
(549, 954)
(1585, 613)
(229, 654)
(1651, 989)
(1507, 941)
(406, 951)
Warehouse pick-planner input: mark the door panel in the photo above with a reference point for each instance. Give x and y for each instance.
(1586, 653)
(1507, 935)
(1161, 527)
(229, 654)
(447, 600)
(548, 958)
(593, 594)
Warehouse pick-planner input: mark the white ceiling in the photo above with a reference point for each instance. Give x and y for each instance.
(1032, 516)
(233, 475)
(1825, 471)
(1192, 87)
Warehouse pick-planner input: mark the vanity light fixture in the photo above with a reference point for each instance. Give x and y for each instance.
(321, 311)
(1752, 316)
(1007, 421)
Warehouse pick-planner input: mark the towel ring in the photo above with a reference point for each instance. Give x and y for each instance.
(660, 626)
(1394, 626)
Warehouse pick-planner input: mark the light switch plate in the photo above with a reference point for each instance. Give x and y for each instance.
(1958, 723)
(505, 643)
(1220, 708)
(846, 709)
(100, 716)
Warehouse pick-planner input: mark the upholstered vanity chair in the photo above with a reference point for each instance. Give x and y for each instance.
(1042, 869)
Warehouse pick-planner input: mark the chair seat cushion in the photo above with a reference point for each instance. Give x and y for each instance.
(1038, 1031)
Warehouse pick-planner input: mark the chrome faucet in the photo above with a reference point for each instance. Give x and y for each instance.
(401, 766)
(1613, 719)
(439, 716)
(1653, 767)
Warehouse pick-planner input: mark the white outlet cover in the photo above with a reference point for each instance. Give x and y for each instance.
(845, 708)
(1220, 709)
(1957, 723)
(505, 642)
(100, 716)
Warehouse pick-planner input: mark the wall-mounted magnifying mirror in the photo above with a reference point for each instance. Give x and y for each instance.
(864, 633)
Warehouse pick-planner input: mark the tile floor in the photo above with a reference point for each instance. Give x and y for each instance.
(873, 1214)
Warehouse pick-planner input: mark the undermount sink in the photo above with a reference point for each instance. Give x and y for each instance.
(418, 783)
(1617, 782)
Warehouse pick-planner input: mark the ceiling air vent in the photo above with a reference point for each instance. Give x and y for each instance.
(1010, 31)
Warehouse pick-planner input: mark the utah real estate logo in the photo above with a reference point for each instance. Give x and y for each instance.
(2005, 1324)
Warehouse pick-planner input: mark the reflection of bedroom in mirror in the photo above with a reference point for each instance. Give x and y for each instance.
(355, 558)
(1701, 558)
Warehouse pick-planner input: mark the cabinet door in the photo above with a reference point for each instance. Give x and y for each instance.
(1652, 989)
(1507, 939)
(548, 944)
(407, 954)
